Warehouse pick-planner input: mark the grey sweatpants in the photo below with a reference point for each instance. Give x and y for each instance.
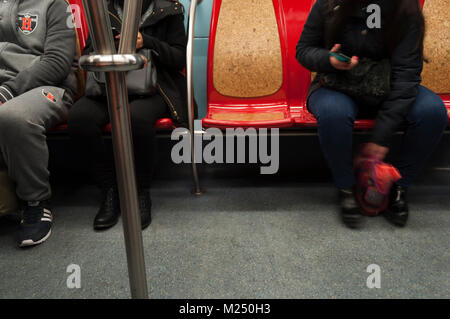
(24, 121)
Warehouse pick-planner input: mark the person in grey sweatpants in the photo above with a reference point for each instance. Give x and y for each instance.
(38, 82)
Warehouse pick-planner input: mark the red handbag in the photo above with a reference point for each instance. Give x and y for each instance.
(374, 180)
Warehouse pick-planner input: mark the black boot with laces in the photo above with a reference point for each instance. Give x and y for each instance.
(109, 212)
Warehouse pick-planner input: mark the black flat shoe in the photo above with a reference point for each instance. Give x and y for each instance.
(398, 210)
(109, 212)
(350, 210)
(145, 206)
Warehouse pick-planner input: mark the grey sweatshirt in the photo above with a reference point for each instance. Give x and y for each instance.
(37, 47)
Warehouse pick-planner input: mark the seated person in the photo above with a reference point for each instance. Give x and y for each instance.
(342, 26)
(161, 30)
(37, 85)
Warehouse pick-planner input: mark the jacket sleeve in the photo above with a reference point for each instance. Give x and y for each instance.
(172, 52)
(310, 48)
(59, 53)
(406, 69)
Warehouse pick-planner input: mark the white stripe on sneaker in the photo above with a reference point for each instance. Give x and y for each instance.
(30, 242)
(4, 97)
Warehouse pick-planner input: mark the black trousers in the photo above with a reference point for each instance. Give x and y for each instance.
(88, 116)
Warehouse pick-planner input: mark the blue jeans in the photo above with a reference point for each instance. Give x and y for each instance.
(336, 112)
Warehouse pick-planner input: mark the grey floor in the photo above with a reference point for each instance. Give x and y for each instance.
(239, 240)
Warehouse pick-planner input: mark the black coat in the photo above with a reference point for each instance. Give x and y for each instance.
(358, 40)
(164, 32)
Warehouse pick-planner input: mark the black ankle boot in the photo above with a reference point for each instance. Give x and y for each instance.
(350, 210)
(109, 211)
(398, 211)
(145, 206)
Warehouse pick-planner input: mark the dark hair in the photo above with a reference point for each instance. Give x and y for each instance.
(400, 14)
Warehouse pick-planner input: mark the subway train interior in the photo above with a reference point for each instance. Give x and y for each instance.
(256, 217)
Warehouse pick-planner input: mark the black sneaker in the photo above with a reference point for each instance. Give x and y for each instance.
(36, 224)
(350, 210)
(398, 210)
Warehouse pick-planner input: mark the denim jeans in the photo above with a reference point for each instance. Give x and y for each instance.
(336, 112)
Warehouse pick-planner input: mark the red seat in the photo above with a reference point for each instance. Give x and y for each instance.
(82, 34)
(286, 103)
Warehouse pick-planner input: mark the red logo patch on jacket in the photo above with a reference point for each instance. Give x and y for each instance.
(49, 96)
(27, 23)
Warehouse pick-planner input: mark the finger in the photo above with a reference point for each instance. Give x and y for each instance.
(354, 62)
(336, 48)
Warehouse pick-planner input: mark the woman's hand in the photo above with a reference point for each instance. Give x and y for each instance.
(139, 41)
(339, 65)
(375, 151)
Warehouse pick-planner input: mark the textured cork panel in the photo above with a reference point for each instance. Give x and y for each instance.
(437, 46)
(247, 51)
(265, 116)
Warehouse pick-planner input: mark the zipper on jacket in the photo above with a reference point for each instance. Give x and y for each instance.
(172, 108)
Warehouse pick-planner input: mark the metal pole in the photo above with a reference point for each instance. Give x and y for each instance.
(190, 92)
(101, 35)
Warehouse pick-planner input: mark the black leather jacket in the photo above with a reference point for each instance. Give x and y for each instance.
(359, 40)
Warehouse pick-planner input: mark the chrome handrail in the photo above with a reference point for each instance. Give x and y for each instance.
(112, 62)
(190, 91)
(118, 105)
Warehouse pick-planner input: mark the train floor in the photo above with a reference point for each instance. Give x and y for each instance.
(237, 241)
(247, 236)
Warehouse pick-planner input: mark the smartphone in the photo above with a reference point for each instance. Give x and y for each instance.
(341, 57)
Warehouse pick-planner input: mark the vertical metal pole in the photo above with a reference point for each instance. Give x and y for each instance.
(101, 35)
(190, 92)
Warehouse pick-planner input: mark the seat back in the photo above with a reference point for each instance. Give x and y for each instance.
(251, 62)
(437, 44)
(80, 23)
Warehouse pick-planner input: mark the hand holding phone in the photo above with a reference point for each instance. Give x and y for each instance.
(341, 57)
(340, 61)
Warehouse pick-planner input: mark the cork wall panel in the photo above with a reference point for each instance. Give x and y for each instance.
(247, 52)
(437, 46)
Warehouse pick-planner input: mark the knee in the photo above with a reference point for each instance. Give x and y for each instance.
(16, 124)
(332, 108)
(429, 108)
(338, 112)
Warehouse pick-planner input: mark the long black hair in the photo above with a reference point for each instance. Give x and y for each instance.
(400, 14)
